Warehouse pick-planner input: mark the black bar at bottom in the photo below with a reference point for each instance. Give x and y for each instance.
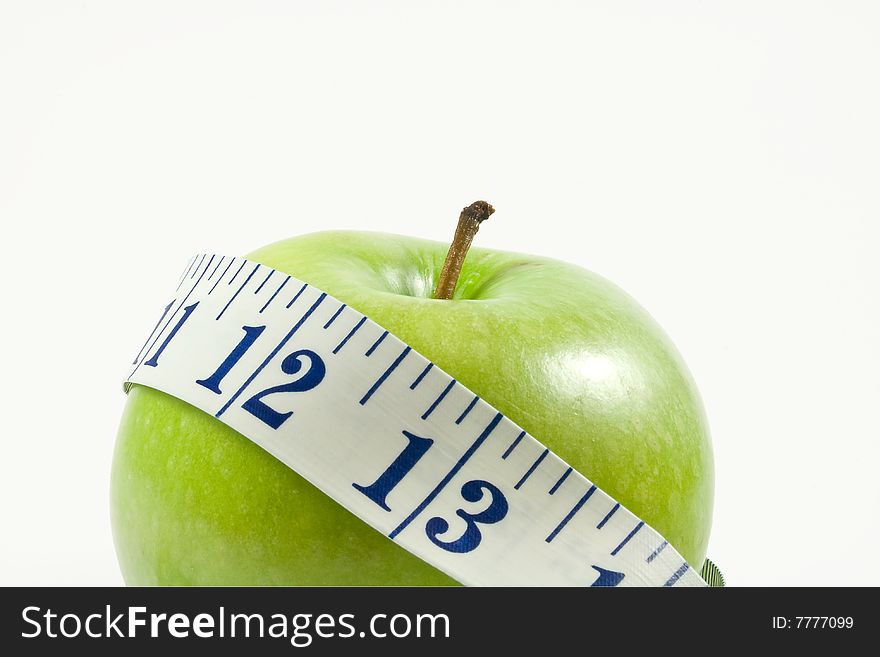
(431, 620)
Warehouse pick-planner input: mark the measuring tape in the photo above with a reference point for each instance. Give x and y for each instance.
(390, 436)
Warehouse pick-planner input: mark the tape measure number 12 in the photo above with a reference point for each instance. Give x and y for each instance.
(390, 436)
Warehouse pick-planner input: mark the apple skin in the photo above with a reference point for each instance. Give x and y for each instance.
(561, 351)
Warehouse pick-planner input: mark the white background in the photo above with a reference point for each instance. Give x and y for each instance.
(720, 161)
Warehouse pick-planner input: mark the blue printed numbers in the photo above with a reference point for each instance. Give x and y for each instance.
(154, 360)
(607, 577)
(251, 333)
(312, 376)
(290, 365)
(405, 461)
(472, 491)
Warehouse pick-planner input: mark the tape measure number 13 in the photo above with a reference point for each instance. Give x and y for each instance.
(390, 436)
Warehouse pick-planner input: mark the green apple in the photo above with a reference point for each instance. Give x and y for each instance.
(564, 353)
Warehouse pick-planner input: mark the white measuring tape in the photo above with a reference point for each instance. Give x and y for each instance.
(390, 436)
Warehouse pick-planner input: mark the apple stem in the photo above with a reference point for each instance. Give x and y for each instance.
(468, 224)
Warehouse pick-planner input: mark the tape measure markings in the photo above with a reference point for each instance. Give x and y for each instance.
(677, 574)
(374, 346)
(385, 375)
(189, 269)
(272, 354)
(268, 276)
(513, 445)
(577, 507)
(531, 469)
(467, 410)
(421, 376)
(350, 333)
(560, 480)
(335, 315)
(238, 271)
(297, 295)
(216, 267)
(608, 516)
(199, 266)
(274, 294)
(164, 312)
(439, 399)
(237, 292)
(448, 477)
(629, 536)
(607, 578)
(526, 494)
(185, 272)
(656, 552)
(217, 282)
(154, 358)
